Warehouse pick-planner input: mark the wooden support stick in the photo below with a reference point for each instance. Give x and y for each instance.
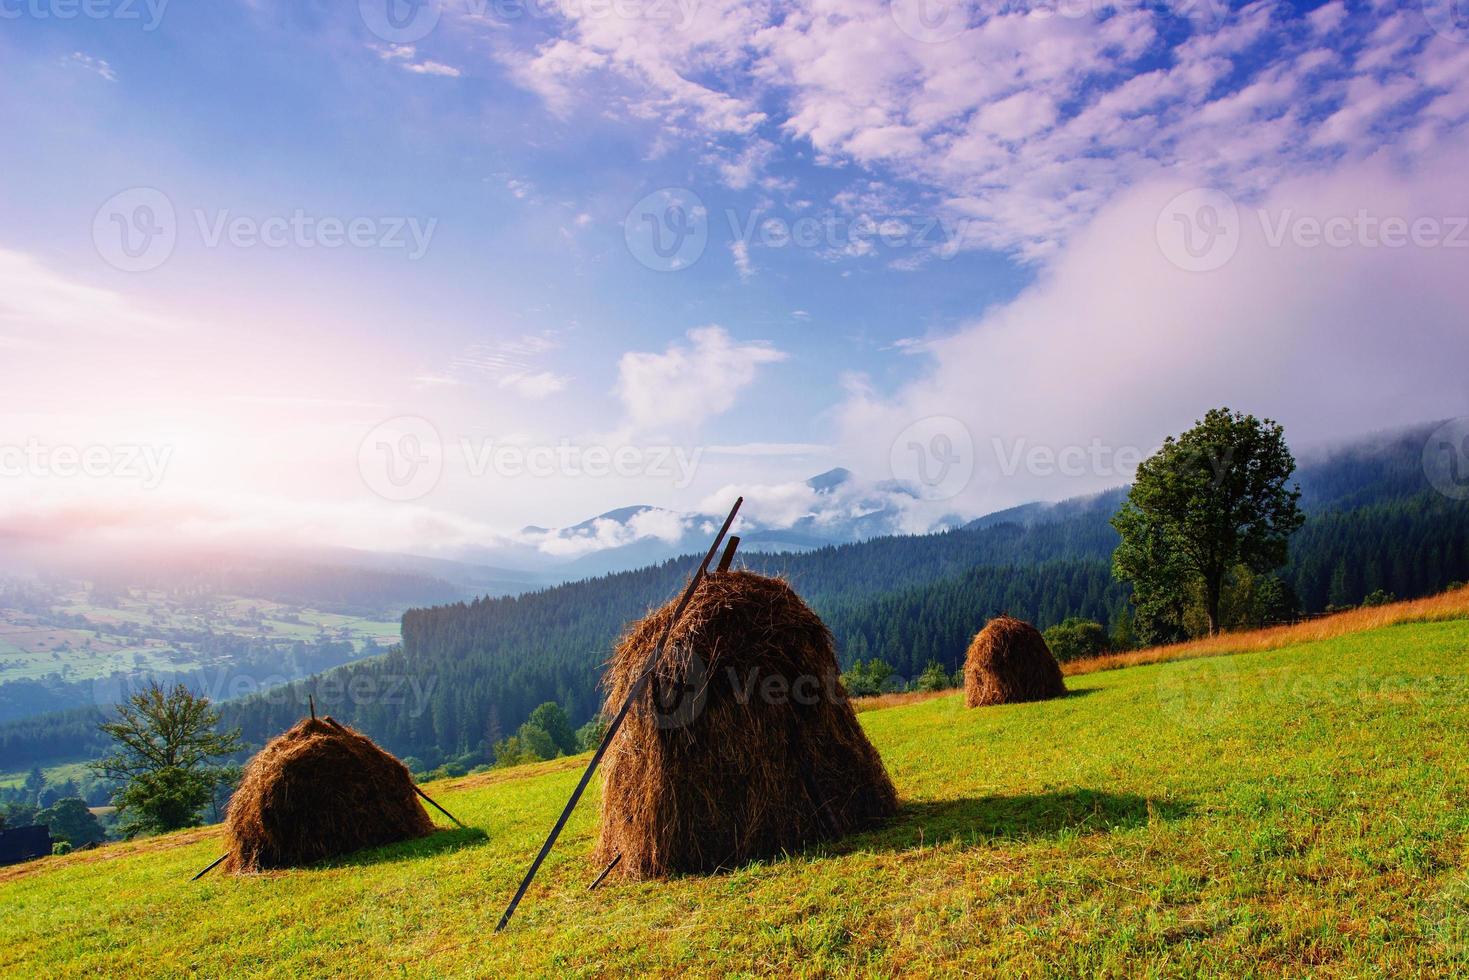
(437, 807)
(605, 872)
(214, 864)
(311, 699)
(728, 559)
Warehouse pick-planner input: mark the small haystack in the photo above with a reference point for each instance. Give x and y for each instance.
(319, 791)
(746, 744)
(1009, 662)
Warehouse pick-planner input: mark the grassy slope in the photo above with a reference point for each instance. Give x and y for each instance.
(1268, 813)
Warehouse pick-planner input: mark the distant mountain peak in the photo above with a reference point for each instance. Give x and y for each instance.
(830, 480)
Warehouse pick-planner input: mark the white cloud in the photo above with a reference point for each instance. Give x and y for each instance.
(37, 301)
(405, 56)
(689, 383)
(536, 385)
(1115, 347)
(740, 250)
(1036, 116)
(97, 65)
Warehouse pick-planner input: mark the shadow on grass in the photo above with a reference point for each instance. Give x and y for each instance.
(436, 843)
(1036, 816)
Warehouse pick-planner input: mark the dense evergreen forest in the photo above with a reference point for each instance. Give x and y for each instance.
(469, 673)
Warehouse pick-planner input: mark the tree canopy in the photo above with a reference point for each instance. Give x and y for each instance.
(1216, 498)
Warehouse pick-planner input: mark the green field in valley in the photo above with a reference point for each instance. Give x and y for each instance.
(1299, 811)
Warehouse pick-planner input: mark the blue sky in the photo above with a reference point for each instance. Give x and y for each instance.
(976, 191)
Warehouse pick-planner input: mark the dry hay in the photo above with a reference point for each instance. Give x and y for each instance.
(1008, 663)
(764, 755)
(319, 791)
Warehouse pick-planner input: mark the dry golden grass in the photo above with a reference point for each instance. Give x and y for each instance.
(1445, 605)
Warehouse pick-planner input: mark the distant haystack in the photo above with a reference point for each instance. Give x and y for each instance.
(319, 791)
(747, 745)
(1008, 663)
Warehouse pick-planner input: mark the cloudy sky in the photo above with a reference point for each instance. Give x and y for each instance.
(414, 276)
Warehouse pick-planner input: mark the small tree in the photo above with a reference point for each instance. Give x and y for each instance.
(1212, 499)
(1076, 638)
(166, 745)
(70, 820)
(553, 720)
(34, 785)
(590, 735)
(867, 679)
(933, 678)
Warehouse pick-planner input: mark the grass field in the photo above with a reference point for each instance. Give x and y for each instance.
(1284, 812)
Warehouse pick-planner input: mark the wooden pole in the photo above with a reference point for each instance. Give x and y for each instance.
(638, 687)
(605, 872)
(437, 807)
(213, 864)
(729, 552)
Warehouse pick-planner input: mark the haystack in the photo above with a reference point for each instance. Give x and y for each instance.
(745, 746)
(1009, 662)
(319, 791)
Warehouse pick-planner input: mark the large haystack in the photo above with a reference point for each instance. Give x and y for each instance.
(316, 792)
(1009, 662)
(763, 754)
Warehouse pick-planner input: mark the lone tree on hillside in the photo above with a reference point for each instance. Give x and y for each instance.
(1214, 499)
(166, 744)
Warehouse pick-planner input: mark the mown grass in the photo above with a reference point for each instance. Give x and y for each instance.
(1301, 810)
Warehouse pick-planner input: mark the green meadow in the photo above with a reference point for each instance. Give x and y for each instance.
(1298, 811)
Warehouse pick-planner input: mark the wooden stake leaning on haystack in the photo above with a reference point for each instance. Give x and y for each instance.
(637, 689)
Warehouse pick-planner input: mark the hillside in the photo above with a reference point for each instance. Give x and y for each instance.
(468, 673)
(1303, 809)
